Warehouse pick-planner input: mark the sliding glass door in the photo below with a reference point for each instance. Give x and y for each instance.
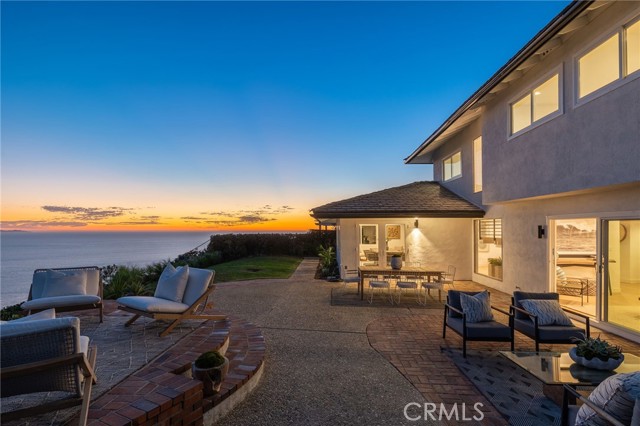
(621, 273)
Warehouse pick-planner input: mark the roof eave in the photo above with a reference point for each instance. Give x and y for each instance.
(403, 214)
(569, 13)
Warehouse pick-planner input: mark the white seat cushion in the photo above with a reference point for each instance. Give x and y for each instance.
(17, 328)
(60, 302)
(46, 314)
(153, 304)
(84, 345)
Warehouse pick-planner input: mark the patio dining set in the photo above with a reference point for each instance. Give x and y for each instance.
(392, 283)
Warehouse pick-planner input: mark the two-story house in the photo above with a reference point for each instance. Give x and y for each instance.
(536, 175)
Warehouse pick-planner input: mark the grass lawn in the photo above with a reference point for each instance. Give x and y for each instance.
(251, 268)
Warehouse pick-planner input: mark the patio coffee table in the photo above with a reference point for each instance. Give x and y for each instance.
(555, 369)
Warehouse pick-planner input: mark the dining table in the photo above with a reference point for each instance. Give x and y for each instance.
(388, 272)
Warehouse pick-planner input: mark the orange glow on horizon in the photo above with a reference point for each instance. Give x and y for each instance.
(288, 222)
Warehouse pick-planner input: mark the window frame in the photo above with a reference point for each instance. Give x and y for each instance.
(497, 242)
(623, 76)
(559, 71)
(477, 163)
(444, 160)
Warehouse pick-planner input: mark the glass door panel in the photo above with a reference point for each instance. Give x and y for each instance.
(621, 273)
(368, 245)
(575, 263)
(394, 241)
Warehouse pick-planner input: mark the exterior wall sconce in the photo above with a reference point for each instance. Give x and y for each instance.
(415, 224)
(541, 231)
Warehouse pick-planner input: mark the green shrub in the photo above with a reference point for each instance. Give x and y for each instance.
(209, 359)
(12, 312)
(328, 263)
(127, 281)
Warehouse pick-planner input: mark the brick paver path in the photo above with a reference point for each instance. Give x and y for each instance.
(412, 344)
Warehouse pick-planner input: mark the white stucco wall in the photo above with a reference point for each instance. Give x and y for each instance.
(590, 144)
(526, 257)
(436, 243)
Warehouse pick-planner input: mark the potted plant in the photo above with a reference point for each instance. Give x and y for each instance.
(597, 354)
(495, 267)
(211, 368)
(396, 261)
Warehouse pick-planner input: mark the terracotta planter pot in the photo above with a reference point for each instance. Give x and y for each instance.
(211, 378)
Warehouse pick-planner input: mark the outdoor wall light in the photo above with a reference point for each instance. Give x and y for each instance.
(540, 231)
(415, 224)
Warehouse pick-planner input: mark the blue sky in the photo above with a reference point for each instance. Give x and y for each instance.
(204, 114)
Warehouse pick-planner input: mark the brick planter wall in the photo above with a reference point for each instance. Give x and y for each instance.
(159, 393)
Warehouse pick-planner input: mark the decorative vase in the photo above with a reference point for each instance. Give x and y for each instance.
(595, 363)
(211, 378)
(396, 262)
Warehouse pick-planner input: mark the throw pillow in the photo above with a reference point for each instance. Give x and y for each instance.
(616, 395)
(172, 283)
(477, 307)
(68, 283)
(548, 312)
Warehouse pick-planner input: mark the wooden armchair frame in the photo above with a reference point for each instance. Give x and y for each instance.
(195, 311)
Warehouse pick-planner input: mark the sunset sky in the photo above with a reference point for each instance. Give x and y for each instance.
(231, 116)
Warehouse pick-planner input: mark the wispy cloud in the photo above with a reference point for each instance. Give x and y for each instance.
(77, 217)
(228, 218)
(88, 213)
(31, 224)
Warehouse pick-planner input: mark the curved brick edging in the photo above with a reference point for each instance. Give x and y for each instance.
(159, 393)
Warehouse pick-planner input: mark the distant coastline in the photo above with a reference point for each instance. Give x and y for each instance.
(12, 230)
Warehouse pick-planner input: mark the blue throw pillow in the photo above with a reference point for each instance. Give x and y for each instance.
(477, 307)
(548, 312)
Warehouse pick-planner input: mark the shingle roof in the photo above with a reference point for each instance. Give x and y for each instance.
(418, 199)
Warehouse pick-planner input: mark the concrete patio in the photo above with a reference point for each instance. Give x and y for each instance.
(316, 363)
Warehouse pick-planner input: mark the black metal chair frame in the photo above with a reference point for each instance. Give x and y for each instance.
(536, 337)
(569, 397)
(466, 338)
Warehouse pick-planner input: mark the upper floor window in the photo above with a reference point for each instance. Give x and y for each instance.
(537, 104)
(613, 59)
(452, 166)
(477, 164)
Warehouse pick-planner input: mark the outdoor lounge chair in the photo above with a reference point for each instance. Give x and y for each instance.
(65, 289)
(461, 321)
(44, 356)
(188, 302)
(530, 324)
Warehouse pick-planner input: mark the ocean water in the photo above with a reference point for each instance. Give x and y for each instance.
(23, 252)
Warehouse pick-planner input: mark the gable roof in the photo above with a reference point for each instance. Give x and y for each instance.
(572, 17)
(418, 199)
